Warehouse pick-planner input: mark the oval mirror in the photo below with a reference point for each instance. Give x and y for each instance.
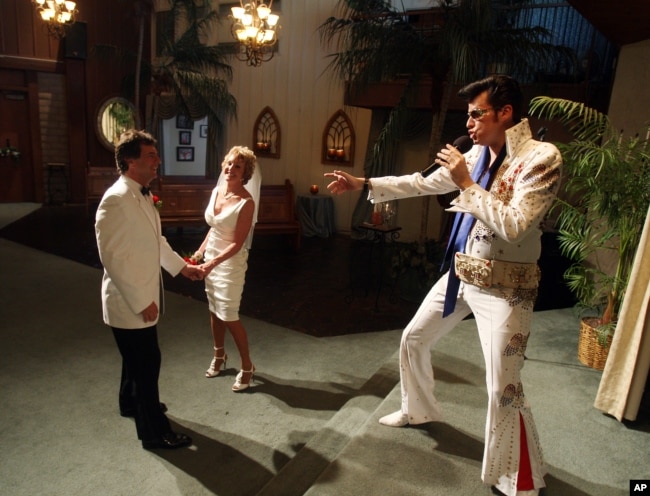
(114, 117)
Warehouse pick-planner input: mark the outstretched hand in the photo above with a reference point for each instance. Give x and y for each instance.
(343, 182)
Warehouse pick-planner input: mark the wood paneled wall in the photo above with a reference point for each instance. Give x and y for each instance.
(28, 53)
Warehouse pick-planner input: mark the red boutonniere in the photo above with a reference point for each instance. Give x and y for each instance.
(194, 259)
(157, 202)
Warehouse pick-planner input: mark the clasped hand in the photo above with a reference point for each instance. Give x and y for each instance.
(194, 272)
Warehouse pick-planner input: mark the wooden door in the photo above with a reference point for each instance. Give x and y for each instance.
(16, 172)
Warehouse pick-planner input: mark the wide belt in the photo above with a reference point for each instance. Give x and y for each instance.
(491, 273)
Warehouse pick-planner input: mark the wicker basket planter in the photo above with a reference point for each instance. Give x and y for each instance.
(590, 351)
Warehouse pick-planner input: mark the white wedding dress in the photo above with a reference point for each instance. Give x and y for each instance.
(224, 285)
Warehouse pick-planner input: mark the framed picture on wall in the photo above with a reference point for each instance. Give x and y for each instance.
(203, 131)
(184, 137)
(184, 122)
(185, 154)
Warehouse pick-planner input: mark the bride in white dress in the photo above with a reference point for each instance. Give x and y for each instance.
(231, 215)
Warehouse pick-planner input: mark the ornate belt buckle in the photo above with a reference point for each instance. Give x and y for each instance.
(519, 276)
(474, 271)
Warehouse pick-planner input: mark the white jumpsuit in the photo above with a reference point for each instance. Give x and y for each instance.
(508, 228)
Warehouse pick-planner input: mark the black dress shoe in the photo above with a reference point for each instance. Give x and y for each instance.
(171, 440)
(130, 412)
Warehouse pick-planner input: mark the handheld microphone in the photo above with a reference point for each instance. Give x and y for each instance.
(462, 144)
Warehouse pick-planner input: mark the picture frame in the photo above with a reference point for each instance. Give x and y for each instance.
(184, 122)
(184, 137)
(203, 131)
(185, 154)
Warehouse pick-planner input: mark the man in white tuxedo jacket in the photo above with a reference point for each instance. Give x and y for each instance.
(132, 250)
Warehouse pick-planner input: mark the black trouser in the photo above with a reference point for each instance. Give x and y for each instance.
(139, 383)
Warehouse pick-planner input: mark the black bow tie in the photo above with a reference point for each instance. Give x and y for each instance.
(145, 191)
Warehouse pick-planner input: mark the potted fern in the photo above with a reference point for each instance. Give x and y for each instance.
(600, 215)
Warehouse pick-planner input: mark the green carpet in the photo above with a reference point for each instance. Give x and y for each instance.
(309, 424)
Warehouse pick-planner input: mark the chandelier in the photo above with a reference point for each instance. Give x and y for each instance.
(255, 27)
(57, 14)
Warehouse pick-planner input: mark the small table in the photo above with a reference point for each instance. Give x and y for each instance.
(316, 215)
(379, 234)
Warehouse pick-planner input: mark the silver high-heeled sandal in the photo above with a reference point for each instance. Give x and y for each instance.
(215, 365)
(239, 385)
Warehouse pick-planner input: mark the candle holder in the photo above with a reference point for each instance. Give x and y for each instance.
(338, 140)
(266, 134)
(377, 217)
(263, 146)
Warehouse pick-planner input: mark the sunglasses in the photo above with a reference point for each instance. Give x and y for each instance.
(478, 113)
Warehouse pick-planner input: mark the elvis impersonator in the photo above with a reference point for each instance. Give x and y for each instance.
(507, 184)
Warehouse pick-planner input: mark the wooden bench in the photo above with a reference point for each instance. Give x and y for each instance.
(276, 214)
(98, 180)
(184, 202)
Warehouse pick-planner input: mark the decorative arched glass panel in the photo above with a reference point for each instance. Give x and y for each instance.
(266, 134)
(338, 140)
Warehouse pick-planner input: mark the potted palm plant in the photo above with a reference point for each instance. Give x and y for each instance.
(600, 215)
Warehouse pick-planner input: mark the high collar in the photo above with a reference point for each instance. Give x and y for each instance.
(516, 136)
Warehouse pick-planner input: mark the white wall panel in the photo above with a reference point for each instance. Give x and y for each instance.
(303, 97)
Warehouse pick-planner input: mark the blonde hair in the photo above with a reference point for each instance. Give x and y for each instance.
(247, 155)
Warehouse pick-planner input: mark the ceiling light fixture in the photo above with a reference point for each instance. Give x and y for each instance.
(57, 14)
(255, 27)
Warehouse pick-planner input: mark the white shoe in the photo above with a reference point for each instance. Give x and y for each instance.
(395, 419)
(531, 492)
(239, 384)
(216, 364)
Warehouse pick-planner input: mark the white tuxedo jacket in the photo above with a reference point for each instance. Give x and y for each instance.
(132, 249)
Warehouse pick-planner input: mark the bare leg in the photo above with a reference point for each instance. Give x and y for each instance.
(218, 329)
(241, 341)
(240, 337)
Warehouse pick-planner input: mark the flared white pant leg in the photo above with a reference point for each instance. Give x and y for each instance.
(416, 372)
(503, 319)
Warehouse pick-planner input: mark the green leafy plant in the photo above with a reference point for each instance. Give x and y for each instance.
(600, 215)
(196, 74)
